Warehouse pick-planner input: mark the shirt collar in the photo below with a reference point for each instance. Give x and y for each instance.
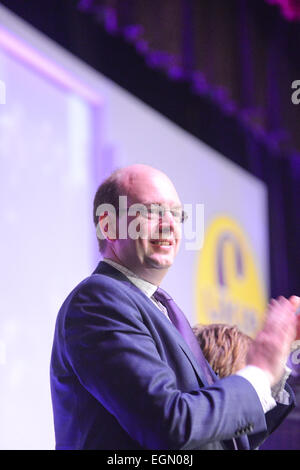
(145, 286)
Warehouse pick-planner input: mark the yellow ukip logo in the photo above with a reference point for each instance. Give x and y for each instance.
(229, 288)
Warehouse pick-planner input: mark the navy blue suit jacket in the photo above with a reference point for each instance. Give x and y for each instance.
(122, 377)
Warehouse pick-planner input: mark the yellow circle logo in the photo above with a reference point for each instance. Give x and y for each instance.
(229, 288)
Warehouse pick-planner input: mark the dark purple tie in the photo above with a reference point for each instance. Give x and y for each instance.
(179, 320)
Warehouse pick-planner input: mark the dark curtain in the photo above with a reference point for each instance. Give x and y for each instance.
(244, 50)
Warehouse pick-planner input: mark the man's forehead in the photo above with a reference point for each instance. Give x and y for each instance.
(149, 195)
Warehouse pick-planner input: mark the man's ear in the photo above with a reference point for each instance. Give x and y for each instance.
(106, 227)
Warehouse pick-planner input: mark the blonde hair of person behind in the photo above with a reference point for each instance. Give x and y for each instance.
(224, 346)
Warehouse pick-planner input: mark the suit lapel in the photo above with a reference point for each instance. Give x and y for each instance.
(107, 269)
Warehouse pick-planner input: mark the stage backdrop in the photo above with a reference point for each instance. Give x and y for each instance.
(63, 129)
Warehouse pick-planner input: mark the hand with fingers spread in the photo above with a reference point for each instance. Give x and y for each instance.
(271, 347)
(296, 303)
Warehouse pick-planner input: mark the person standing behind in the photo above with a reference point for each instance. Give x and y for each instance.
(224, 346)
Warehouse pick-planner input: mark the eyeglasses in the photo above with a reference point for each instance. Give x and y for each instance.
(157, 211)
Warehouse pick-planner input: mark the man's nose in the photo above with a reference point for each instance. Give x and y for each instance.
(168, 216)
(167, 221)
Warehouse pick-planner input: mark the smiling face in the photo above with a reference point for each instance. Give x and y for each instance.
(153, 252)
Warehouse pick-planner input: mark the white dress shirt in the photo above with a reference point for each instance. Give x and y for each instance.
(146, 287)
(256, 376)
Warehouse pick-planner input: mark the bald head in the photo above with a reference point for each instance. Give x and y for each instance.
(158, 236)
(131, 178)
(140, 183)
(128, 173)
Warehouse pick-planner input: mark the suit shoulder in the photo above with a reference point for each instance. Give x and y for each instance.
(102, 283)
(100, 289)
(100, 299)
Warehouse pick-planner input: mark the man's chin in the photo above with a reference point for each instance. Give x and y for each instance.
(159, 261)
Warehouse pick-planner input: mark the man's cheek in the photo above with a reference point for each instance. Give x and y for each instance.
(152, 230)
(178, 233)
(137, 229)
(145, 230)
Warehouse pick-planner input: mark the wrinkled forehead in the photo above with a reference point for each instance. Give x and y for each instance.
(150, 187)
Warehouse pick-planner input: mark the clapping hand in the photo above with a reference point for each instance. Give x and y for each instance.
(272, 345)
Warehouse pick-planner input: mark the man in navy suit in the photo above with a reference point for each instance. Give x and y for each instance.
(122, 374)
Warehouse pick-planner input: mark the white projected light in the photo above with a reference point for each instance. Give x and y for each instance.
(46, 151)
(2, 92)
